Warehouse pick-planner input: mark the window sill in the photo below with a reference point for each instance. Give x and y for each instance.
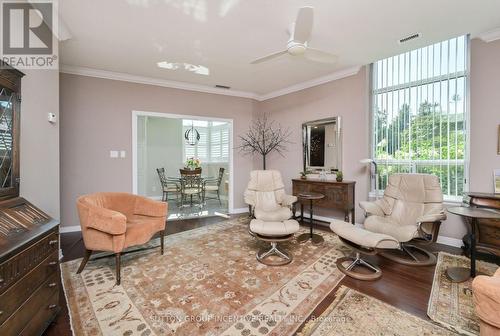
(452, 201)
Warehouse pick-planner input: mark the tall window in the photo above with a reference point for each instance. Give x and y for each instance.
(214, 141)
(419, 114)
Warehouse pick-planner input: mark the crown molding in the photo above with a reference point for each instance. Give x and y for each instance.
(97, 73)
(311, 83)
(490, 36)
(90, 72)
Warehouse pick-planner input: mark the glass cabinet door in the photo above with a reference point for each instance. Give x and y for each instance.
(7, 98)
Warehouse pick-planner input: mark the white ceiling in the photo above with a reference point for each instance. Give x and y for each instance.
(131, 36)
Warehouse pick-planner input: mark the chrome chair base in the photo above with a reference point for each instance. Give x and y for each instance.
(429, 258)
(357, 261)
(284, 257)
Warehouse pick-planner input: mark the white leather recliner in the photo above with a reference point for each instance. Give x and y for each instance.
(411, 208)
(271, 208)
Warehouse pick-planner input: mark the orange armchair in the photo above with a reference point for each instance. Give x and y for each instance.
(486, 293)
(114, 221)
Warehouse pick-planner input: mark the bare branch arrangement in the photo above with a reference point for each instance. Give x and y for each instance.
(264, 137)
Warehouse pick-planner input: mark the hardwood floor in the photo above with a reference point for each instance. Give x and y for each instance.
(405, 287)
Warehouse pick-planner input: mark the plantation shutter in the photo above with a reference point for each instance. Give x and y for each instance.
(213, 145)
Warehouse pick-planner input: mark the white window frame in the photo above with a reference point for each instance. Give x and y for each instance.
(465, 162)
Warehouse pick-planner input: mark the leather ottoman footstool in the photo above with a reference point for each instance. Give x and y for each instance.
(274, 233)
(362, 242)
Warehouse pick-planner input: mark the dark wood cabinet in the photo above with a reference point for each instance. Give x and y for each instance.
(487, 230)
(338, 195)
(29, 238)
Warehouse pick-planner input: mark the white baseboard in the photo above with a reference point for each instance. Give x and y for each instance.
(238, 211)
(76, 228)
(449, 241)
(66, 229)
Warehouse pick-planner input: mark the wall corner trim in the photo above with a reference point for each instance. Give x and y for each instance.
(105, 74)
(311, 83)
(490, 36)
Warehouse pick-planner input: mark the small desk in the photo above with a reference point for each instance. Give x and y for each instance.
(460, 274)
(338, 195)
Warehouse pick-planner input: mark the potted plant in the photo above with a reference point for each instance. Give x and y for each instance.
(193, 163)
(340, 176)
(303, 175)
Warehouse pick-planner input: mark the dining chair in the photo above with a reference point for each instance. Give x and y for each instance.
(191, 185)
(213, 185)
(168, 185)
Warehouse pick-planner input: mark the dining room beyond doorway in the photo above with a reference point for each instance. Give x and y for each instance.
(185, 161)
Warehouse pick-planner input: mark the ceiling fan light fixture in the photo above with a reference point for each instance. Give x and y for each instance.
(298, 43)
(296, 48)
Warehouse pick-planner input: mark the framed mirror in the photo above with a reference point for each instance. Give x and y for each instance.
(322, 143)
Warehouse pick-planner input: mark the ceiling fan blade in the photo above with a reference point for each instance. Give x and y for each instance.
(320, 56)
(303, 24)
(269, 57)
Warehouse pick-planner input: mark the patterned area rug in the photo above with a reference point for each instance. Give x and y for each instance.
(208, 282)
(450, 304)
(353, 313)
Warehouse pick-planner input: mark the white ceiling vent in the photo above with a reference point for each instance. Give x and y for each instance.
(409, 38)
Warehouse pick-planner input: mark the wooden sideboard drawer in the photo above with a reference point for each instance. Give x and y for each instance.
(14, 297)
(337, 195)
(42, 302)
(19, 265)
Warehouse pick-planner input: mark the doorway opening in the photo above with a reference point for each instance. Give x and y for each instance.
(184, 160)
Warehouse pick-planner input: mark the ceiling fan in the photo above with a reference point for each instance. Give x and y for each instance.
(297, 45)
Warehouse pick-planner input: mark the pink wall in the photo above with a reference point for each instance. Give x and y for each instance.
(39, 153)
(96, 117)
(485, 113)
(347, 98)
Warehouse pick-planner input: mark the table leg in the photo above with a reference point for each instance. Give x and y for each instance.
(311, 218)
(352, 216)
(461, 274)
(473, 248)
(301, 212)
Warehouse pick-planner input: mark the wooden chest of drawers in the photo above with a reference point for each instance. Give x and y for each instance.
(338, 195)
(487, 230)
(29, 276)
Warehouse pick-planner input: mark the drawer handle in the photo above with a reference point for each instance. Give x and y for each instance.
(1, 313)
(53, 242)
(52, 306)
(52, 284)
(1, 281)
(52, 263)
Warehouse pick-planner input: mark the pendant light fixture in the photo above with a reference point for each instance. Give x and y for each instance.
(192, 135)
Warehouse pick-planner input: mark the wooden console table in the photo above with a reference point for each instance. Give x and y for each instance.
(338, 195)
(487, 230)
